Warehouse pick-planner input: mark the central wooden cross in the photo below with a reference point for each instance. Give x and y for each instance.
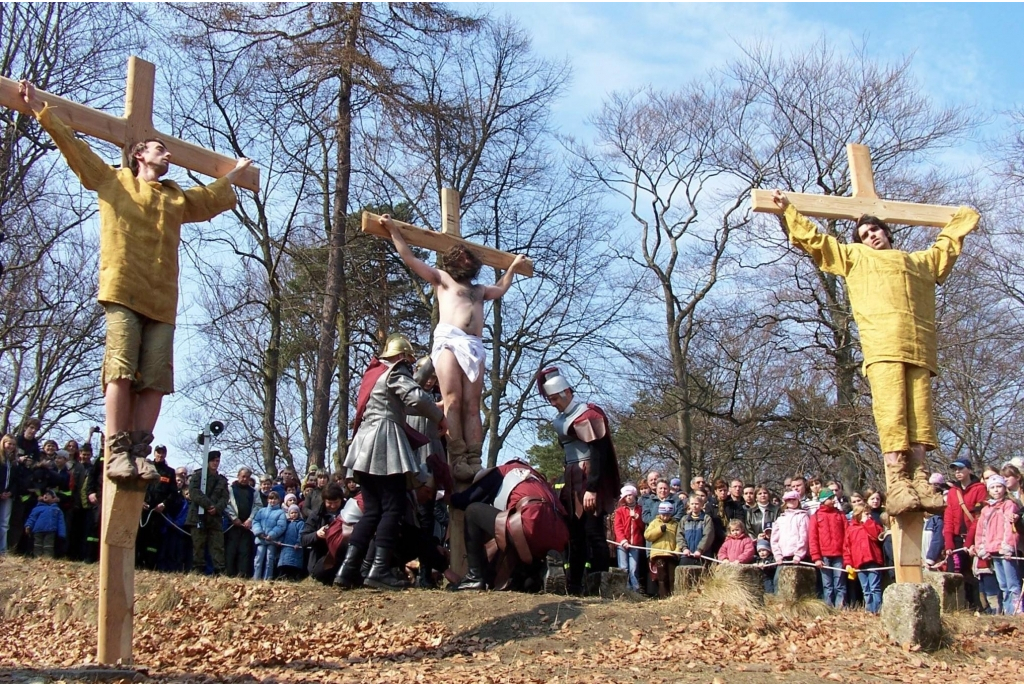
(122, 504)
(442, 241)
(906, 528)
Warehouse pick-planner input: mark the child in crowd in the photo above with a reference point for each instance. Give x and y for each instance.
(996, 538)
(862, 552)
(661, 532)
(791, 530)
(696, 533)
(738, 547)
(765, 559)
(289, 563)
(268, 526)
(45, 524)
(825, 539)
(629, 530)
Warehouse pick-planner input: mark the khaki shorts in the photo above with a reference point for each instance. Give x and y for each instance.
(138, 348)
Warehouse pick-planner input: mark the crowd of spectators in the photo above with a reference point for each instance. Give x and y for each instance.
(811, 521)
(51, 499)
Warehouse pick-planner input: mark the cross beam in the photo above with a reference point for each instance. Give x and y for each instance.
(864, 200)
(448, 237)
(134, 126)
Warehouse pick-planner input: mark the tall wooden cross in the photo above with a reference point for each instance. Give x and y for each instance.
(441, 241)
(906, 528)
(122, 504)
(136, 124)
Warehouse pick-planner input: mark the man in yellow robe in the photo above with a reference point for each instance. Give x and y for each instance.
(892, 294)
(140, 230)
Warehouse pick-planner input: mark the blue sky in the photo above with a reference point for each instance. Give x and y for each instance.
(963, 53)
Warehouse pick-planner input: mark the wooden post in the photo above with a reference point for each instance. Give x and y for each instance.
(122, 503)
(136, 125)
(906, 528)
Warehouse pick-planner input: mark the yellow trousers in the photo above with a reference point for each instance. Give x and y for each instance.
(901, 400)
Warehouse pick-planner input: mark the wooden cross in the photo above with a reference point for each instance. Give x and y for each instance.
(122, 504)
(906, 528)
(136, 124)
(449, 235)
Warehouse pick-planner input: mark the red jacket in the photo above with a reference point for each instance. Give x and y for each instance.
(954, 522)
(627, 527)
(827, 533)
(862, 544)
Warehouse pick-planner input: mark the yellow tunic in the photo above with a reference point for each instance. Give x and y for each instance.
(892, 293)
(140, 225)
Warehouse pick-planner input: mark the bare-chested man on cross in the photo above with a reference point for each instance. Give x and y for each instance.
(458, 352)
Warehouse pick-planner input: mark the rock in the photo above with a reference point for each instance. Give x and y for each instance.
(794, 583)
(950, 588)
(687, 578)
(607, 585)
(910, 615)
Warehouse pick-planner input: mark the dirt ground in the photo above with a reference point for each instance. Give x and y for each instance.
(199, 629)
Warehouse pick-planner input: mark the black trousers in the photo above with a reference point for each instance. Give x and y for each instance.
(239, 551)
(479, 523)
(384, 502)
(588, 548)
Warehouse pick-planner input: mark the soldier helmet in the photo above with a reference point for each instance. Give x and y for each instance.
(550, 381)
(396, 344)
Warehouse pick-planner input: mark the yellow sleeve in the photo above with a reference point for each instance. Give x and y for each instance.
(653, 532)
(202, 203)
(829, 254)
(91, 170)
(950, 242)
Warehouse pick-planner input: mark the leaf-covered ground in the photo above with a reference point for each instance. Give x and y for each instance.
(198, 629)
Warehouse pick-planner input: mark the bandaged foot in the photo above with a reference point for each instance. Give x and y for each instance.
(900, 495)
(931, 501)
(457, 455)
(119, 463)
(474, 456)
(141, 441)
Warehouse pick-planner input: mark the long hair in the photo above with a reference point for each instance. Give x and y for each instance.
(461, 264)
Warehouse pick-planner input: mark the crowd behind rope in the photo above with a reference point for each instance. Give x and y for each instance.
(279, 528)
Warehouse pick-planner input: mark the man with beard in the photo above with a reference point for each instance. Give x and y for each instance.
(458, 351)
(140, 230)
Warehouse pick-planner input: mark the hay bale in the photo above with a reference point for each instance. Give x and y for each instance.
(688, 578)
(609, 584)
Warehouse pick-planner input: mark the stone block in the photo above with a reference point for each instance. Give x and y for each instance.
(910, 615)
(794, 583)
(687, 578)
(950, 588)
(609, 584)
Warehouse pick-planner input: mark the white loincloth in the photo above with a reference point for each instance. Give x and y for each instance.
(468, 349)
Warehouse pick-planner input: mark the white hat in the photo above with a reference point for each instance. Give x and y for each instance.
(550, 382)
(995, 480)
(627, 489)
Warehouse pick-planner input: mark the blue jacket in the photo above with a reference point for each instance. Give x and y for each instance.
(935, 525)
(269, 521)
(289, 556)
(46, 518)
(696, 534)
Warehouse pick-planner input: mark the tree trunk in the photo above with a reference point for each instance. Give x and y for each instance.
(335, 286)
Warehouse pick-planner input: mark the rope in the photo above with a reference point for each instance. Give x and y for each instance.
(148, 514)
(174, 525)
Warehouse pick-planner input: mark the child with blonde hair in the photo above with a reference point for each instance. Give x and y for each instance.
(738, 547)
(996, 539)
(862, 552)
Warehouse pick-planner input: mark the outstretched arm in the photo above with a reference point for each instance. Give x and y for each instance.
(828, 253)
(418, 266)
(493, 292)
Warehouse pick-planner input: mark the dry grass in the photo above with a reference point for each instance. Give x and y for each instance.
(165, 599)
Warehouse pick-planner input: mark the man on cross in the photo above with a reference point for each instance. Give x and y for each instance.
(458, 351)
(892, 295)
(140, 230)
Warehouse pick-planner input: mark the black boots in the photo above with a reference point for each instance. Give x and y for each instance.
(382, 575)
(473, 580)
(348, 575)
